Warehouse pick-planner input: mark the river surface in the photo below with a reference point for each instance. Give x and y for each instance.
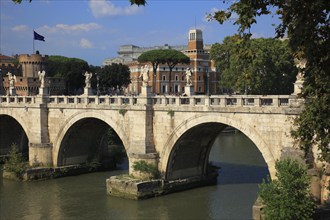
(84, 196)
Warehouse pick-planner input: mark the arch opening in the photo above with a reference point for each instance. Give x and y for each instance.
(91, 141)
(196, 152)
(11, 132)
(189, 155)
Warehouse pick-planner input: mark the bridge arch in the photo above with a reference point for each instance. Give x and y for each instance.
(191, 125)
(13, 130)
(83, 116)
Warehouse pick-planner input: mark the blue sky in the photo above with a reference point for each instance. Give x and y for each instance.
(93, 30)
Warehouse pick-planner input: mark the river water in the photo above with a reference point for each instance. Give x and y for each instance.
(84, 196)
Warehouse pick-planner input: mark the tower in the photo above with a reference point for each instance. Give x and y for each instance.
(31, 64)
(195, 40)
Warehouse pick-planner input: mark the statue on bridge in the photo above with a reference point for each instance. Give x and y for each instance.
(298, 85)
(188, 77)
(11, 79)
(88, 77)
(301, 65)
(42, 78)
(145, 75)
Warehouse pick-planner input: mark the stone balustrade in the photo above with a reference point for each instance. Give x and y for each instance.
(198, 100)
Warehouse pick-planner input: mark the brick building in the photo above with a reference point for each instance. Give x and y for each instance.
(204, 77)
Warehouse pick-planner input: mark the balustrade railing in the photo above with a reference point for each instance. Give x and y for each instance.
(198, 100)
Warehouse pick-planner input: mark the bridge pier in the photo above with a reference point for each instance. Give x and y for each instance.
(40, 154)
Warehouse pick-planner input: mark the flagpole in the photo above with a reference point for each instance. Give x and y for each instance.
(33, 41)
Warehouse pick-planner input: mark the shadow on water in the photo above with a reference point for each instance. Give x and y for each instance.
(240, 173)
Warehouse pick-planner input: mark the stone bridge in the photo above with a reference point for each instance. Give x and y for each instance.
(175, 132)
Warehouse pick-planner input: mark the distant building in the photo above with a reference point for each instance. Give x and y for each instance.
(130, 53)
(204, 79)
(8, 64)
(26, 72)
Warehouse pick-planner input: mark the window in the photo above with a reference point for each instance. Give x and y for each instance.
(176, 78)
(164, 77)
(192, 36)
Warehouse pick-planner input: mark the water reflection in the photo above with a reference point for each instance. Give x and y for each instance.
(84, 196)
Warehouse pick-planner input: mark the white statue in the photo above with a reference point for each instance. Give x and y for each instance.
(301, 65)
(42, 78)
(188, 77)
(88, 77)
(145, 75)
(11, 79)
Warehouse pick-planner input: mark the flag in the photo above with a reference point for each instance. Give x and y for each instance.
(38, 36)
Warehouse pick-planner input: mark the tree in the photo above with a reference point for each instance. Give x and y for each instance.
(15, 164)
(287, 197)
(260, 66)
(161, 56)
(307, 26)
(172, 58)
(114, 75)
(154, 57)
(71, 69)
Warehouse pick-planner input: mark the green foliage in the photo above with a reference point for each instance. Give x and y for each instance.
(313, 126)
(307, 26)
(122, 111)
(258, 66)
(20, 1)
(287, 197)
(71, 69)
(170, 113)
(146, 168)
(154, 57)
(167, 56)
(15, 163)
(114, 75)
(138, 2)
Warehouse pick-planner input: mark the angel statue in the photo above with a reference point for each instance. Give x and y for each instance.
(88, 77)
(188, 77)
(145, 75)
(42, 78)
(11, 79)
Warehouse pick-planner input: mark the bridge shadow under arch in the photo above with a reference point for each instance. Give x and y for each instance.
(90, 141)
(191, 156)
(12, 132)
(186, 152)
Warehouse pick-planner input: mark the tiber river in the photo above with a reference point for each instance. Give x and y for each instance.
(84, 196)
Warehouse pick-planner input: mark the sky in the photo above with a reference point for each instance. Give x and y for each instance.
(93, 30)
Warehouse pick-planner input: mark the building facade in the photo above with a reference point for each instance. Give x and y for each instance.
(27, 79)
(204, 74)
